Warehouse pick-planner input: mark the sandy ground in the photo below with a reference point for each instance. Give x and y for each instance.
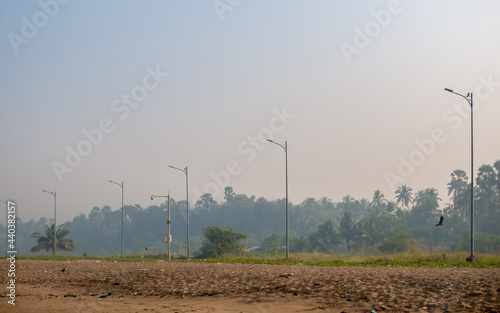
(41, 286)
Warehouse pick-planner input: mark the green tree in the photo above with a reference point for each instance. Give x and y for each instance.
(496, 165)
(458, 183)
(372, 229)
(229, 194)
(424, 213)
(298, 244)
(272, 244)
(457, 188)
(486, 198)
(219, 241)
(404, 195)
(47, 242)
(397, 243)
(206, 202)
(357, 207)
(348, 229)
(325, 237)
(378, 201)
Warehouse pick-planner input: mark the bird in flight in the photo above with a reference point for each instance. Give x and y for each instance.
(440, 221)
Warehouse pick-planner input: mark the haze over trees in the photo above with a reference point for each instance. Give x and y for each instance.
(391, 223)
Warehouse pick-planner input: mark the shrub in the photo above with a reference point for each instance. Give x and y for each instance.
(397, 243)
(271, 244)
(219, 241)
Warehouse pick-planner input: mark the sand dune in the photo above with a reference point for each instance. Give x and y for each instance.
(221, 287)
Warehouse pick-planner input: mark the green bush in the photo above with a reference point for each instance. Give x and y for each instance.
(487, 243)
(271, 244)
(219, 241)
(397, 243)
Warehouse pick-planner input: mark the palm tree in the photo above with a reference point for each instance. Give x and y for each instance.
(496, 165)
(458, 183)
(356, 207)
(206, 201)
(47, 242)
(229, 194)
(347, 200)
(428, 197)
(324, 237)
(424, 212)
(378, 199)
(487, 197)
(404, 195)
(348, 229)
(372, 230)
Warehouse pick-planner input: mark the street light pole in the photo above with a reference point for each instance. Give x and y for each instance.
(169, 237)
(469, 99)
(55, 224)
(285, 147)
(185, 171)
(121, 186)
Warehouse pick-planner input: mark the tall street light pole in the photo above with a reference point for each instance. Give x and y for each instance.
(169, 237)
(285, 147)
(185, 171)
(121, 186)
(469, 99)
(55, 224)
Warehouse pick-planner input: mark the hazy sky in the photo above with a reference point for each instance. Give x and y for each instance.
(98, 90)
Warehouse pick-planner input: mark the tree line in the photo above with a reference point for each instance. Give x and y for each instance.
(385, 223)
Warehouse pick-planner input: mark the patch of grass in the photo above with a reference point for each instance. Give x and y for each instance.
(417, 259)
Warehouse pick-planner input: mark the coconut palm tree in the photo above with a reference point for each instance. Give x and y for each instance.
(378, 199)
(372, 230)
(424, 212)
(348, 229)
(496, 165)
(404, 195)
(47, 242)
(428, 197)
(325, 237)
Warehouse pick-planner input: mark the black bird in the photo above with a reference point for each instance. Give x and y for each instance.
(440, 221)
(64, 269)
(146, 248)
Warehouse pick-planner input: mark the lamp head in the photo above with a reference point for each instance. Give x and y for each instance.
(448, 89)
(152, 197)
(270, 140)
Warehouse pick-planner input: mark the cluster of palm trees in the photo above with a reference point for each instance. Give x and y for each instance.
(412, 215)
(486, 197)
(315, 224)
(370, 233)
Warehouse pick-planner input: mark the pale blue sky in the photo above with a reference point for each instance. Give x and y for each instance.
(353, 123)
